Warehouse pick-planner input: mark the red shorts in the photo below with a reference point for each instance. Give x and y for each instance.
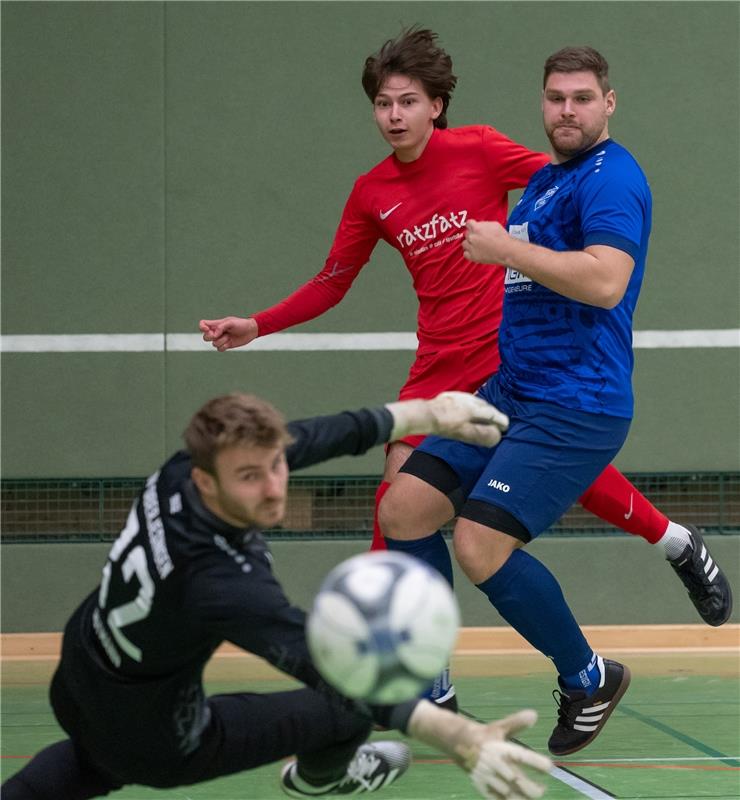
(461, 368)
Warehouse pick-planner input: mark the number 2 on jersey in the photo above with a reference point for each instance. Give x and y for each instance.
(134, 564)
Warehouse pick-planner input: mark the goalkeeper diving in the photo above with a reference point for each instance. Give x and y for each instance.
(190, 570)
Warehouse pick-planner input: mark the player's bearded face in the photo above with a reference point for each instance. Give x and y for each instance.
(250, 486)
(405, 114)
(575, 112)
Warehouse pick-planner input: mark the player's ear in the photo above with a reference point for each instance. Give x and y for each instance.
(204, 482)
(611, 102)
(437, 106)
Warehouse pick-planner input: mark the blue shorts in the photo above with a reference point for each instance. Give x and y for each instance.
(545, 461)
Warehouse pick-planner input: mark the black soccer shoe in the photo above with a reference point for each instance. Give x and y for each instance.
(442, 691)
(449, 701)
(374, 766)
(706, 583)
(581, 717)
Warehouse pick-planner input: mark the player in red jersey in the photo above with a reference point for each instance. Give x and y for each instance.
(418, 200)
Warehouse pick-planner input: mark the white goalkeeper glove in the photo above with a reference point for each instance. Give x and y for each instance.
(456, 415)
(496, 766)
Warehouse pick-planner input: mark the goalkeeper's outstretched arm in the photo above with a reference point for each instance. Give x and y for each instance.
(496, 765)
(456, 415)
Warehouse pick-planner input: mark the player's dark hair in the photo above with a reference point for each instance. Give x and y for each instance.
(413, 53)
(579, 59)
(229, 420)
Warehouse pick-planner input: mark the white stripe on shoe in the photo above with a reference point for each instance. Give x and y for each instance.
(596, 709)
(592, 715)
(445, 697)
(391, 776)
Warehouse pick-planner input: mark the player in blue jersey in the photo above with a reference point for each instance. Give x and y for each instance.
(575, 248)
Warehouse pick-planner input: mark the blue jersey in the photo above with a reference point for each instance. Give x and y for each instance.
(559, 350)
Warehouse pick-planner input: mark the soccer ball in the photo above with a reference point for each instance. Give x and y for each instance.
(382, 627)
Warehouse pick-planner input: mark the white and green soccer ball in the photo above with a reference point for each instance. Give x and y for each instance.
(382, 627)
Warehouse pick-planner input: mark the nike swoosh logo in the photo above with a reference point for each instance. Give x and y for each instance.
(629, 513)
(335, 270)
(386, 214)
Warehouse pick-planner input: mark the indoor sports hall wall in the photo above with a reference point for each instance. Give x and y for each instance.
(164, 162)
(43, 583)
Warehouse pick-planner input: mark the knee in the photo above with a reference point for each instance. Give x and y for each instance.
(393, 516)
(466, 550)
(411, 509)
(481, 551)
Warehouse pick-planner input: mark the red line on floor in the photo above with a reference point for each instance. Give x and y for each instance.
(706, 767)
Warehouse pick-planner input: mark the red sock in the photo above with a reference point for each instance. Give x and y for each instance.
(614, 499)
(378, 538)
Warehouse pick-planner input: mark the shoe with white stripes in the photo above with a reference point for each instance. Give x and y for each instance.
(707, 585)
(374, 766)
(580, 716)
(442, 691)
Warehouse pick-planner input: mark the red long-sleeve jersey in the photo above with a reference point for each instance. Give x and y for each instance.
(420, 209)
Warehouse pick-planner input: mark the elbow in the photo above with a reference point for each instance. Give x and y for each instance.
(609, 297)
(608, 276)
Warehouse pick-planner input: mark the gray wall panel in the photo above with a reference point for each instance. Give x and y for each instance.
(168, 161)
(82, 415)
(42, 584)
(83, 168)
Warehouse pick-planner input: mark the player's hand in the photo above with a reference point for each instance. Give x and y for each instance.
(495, 764)
(229, 332)
(468, 418)
(499, 768)
(486, 242)
(457, 415)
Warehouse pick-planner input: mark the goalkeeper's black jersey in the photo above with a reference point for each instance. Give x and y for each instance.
(178, 582)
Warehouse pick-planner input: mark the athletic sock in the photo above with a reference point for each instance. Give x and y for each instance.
(441, 690)
(674, 541)
(432, 550)
(379, 542)
(529, 598)
(586, 680)
(613, 498)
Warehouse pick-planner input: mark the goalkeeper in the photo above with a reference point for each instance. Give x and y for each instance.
(189, 570)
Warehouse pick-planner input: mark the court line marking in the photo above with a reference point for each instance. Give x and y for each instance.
(682, 737)
(646, 763)
(583, 786)
(580, 785)
(695, 767)
(657, 758)
(718, 650)
(382, 340)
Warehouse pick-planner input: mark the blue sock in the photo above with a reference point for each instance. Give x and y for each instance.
(529, 598)
(432, 550)
(586, 680)
(441, 690)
